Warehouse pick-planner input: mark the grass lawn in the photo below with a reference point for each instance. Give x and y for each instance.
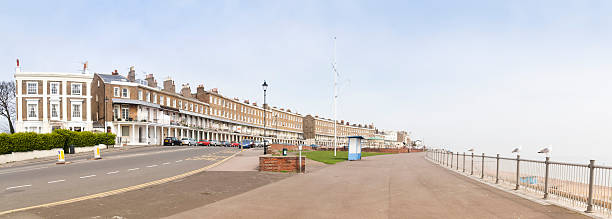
(328, 156)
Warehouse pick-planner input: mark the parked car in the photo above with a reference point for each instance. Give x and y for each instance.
(247, 143)
(188, 141)
(225, 143)
(204, 143)
(214, 143)
(235, 144)
(172, 141)
(257, 144)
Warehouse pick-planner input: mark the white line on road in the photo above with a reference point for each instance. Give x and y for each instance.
(166, 163)
(56, 181)
(152, 165)
(83, 177)
(112, 172)
(14, 187)
(134, 169)
(178, 161)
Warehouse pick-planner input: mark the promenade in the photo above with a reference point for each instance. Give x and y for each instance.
(389, 186)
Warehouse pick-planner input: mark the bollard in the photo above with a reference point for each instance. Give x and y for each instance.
(546, 178)
(482, 175)
(591, 179)
(97, 154)
(60, 157)
(451, 160)
(518, 160)
(497, 170)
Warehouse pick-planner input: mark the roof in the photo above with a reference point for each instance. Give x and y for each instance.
(109, 78)
(360, 137)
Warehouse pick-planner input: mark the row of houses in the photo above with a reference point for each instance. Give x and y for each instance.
(140, 112)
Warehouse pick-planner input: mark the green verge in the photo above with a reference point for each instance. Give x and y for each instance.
(328, 156)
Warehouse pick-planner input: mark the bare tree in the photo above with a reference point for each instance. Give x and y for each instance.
(7, 102)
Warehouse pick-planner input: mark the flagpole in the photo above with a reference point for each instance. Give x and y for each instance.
(335, 97)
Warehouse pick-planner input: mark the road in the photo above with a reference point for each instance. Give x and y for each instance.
(46, 182)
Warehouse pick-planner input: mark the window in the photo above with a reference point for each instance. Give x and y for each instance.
(168, 101)
(161, 100)
(139, 94)
(76, 110)
(76, 89)
(180, 104)
(154, 98)
(125, 93)
(54, 110)
(174, 103)
(148, 97)
(125, 113)
(32, 110)
(116, 92)
(54, 88)
(32, 87)
(116, 115)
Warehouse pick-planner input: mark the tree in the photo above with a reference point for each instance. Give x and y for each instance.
(7, 102)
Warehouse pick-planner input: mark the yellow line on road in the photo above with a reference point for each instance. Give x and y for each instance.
(122, 190)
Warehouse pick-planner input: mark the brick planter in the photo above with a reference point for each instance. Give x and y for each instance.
(280, 164)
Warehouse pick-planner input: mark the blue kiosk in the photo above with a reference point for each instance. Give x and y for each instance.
(354, 150)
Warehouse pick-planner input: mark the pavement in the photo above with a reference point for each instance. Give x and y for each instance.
(34, 184)
(387, 186)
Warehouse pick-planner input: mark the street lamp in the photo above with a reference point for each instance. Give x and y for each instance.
(265, 88)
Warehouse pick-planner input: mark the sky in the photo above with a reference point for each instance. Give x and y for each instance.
(488, 75)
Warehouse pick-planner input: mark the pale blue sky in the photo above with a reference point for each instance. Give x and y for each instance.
(492, 74)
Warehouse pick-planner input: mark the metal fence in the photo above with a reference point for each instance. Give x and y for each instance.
(581, 186)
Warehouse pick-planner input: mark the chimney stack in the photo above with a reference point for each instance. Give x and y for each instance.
(115, 72)
(18, 68)
(201, 94)
(151, 80)
(169, 85)
(132, 74)
(246, 101)
(215, 90)
(186, 90)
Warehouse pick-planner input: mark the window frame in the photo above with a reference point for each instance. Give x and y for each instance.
(35, 83)
(79, 85)
(57, 88)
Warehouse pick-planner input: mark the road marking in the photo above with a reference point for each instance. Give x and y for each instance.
(83, 177)
(154, 165)
(112, 172)
(134, 169)
(122, 190)
(166, 163)
(178, 161)
(56, 181)
(21, 186)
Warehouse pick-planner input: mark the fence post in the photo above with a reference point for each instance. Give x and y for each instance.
(472, 173)
(591, 179)
(546, 177)
(518, 160)
(457, 167)
(497, 170)
(482, 175)
(464, 162)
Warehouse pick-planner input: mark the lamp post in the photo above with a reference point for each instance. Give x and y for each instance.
(265, 88)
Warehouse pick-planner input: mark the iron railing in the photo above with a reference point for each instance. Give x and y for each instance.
(581, 186)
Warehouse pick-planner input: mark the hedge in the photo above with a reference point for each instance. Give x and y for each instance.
(61, 138)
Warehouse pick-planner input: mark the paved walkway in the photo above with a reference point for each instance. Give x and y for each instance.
(389, 186)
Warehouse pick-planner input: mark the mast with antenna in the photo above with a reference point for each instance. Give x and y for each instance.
(335, 98)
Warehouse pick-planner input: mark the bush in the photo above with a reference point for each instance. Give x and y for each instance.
(5, 143)
(105, 138)
(60, 138)
(50, 141)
